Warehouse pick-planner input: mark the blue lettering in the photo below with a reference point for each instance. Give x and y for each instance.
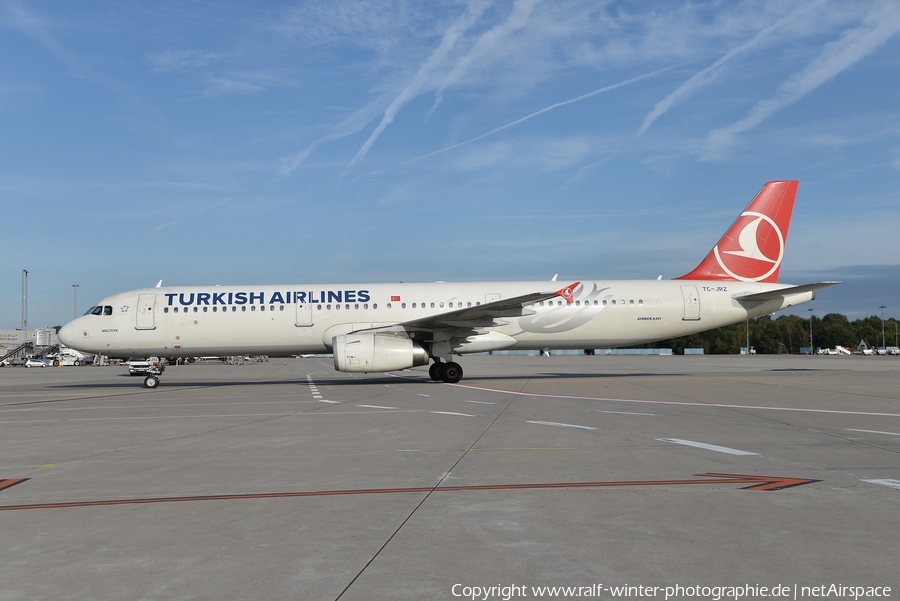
(349, 296)
(322, 297)
(230, 294)
(334, 296)
(240, 298)
(363, 296)
(218, 298)
(258, 297)
(171, 296)
(189, 301)
(203, 298)
(299, 297)
(276, 298)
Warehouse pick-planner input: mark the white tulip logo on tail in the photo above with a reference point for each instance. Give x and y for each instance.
(756, 253)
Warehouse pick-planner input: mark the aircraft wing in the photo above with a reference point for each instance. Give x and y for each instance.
(488, 314)
(782, 292)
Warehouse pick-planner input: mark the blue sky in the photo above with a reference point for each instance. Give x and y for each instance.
(289, 142)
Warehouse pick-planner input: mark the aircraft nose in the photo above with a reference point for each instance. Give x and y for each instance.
(67, 334)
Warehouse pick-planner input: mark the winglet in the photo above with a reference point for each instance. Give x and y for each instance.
(568, 291)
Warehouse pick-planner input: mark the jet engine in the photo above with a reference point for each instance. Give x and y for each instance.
(376, 352)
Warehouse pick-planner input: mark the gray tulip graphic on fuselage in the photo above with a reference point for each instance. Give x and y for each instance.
(561, 319)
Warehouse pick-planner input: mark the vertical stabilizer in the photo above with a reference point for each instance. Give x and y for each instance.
(753, 247)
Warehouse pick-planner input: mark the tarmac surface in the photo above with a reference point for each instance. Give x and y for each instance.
(533, 471)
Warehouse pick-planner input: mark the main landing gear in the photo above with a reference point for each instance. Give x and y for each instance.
(451, 372)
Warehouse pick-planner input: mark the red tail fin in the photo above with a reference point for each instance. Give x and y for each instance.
(753, 247)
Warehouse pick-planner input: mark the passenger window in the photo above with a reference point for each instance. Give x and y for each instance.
(631, 302)
(234, 308)
(432, 305)
(577, 303)
(195, 309)
(166, 310)
(442, 305)
(614, 301)
(337, 307)
(389, 305)
(346, 307)
(319, 307)
(356, 306)
(375, 306)
(402, 305)
(262, 308)
(205, 309)
(621, 301)
(366, 306)
(253, 308)
(414, 305)
(328, 307)
(244, 308)
(281, 308)
(468, 304)
(640, 301)
(604, 303)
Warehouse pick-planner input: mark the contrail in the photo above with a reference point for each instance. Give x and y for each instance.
(878, 27)
(448, 41)
(707, 75)
(531, 116)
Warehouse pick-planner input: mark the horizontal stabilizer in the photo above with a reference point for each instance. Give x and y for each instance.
(782, 292)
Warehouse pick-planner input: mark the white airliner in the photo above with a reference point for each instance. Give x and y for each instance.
(386, 327)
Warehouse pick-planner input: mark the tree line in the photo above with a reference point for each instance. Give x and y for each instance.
(787, 334)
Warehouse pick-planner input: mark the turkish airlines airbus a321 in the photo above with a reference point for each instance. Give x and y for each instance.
(386, 327)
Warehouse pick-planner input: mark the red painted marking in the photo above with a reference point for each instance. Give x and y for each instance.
(7, 482)
(755, 482)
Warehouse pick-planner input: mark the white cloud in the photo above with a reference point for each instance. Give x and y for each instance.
(712, 72)
(182, 60)
(877, 26)
(415, 87)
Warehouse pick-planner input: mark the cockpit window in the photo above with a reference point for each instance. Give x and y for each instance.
(107, 310)
(96, 310)
(90, 311)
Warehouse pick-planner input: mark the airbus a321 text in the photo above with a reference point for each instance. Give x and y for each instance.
(386, 327)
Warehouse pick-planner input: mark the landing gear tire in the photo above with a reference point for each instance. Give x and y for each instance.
(451, 373)
(435, 371)
(151, 382)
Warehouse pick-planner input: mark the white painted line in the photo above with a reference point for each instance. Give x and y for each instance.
(708, 447)
(680, 403)
(885, 482)
(425, 395)
(619, 412)
(872, 431)
(453, 413)
(561, 425)
(376, 407)
(324, 401)
(481, 402)
(407, 450)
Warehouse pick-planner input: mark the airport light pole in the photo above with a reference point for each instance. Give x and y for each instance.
(812, 350)
(24, 300)
(75, 294)
(882, 307)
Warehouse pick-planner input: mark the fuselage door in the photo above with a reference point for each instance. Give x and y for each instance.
(145, 308)
(491, 297)
(691, 303)
(304, 315)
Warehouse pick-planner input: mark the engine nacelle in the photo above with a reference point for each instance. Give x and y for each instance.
(365, 352)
